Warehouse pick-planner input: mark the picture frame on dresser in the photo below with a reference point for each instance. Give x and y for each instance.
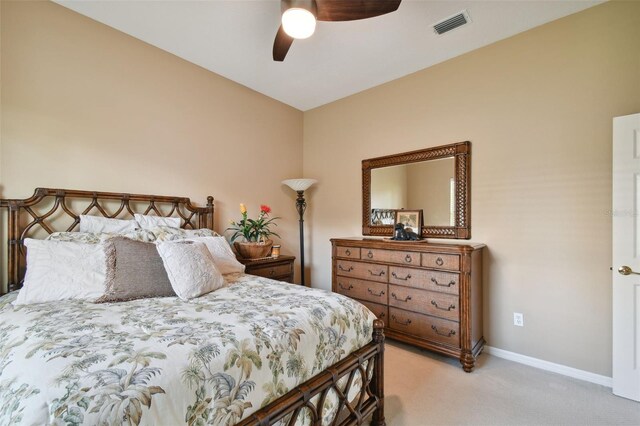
(410, 219)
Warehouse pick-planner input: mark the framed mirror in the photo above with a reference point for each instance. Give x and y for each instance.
(435, 180)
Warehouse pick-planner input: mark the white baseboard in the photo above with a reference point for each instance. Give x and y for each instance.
(550, 366)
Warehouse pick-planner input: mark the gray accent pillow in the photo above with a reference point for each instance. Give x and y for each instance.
(134, 271)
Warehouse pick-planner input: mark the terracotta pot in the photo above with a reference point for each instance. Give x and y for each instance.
(253, 250)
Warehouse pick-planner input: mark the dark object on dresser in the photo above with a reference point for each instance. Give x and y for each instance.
(428, 295)
(277, 268)
(400, 234)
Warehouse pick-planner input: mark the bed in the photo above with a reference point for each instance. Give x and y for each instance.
(256, 352)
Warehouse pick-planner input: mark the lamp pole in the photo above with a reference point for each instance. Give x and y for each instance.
(300, 185)
(301, 206)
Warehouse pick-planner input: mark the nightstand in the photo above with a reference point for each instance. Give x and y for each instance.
(280, 268)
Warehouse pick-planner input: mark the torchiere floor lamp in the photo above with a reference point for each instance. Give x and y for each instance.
(300, 185)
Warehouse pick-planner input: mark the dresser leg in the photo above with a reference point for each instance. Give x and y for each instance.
(468, 361)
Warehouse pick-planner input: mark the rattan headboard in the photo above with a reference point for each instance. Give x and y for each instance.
(47, 208)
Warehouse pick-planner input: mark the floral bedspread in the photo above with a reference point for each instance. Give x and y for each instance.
(213, 360)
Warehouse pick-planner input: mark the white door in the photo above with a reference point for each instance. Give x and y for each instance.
(626, 256)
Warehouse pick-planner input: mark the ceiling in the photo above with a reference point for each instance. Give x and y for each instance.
(234, 38)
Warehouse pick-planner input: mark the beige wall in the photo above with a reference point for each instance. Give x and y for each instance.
(538, 109)
(87, 107)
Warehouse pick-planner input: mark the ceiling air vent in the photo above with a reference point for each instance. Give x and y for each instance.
(452, 22)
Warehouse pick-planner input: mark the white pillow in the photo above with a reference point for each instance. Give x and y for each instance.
(59, 270)
(97, 224)
(148, 222)
(222, 254)
(190, 268)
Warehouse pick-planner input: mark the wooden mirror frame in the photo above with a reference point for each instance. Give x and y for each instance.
(461, 152)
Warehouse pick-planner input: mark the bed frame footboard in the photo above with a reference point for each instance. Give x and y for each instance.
(339, 378)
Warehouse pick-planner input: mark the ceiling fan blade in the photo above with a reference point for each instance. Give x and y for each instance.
(281, 45)
(351, 10)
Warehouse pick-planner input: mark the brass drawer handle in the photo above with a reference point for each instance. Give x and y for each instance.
(376, 294)
(376, 274)
(345, 288)
(449, 334)
(407, 322)
(381, 315)
(272, 272)
(439, 261)
(452, 282)
(408, 277)
(408, 259)
(406, 299)
(348, 252)
(434, 303)
(370, 255)
(349, 269)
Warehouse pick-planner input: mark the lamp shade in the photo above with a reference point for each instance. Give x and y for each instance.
(299, 184)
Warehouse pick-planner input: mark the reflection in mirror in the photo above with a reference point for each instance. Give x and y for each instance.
(428, 186)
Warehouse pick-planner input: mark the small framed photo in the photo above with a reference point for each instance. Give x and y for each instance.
(411, 219)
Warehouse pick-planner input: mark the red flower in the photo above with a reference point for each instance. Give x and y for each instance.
(265, 209)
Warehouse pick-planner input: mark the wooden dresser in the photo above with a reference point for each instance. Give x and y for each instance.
(427, 294)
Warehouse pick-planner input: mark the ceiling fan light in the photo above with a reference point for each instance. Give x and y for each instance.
(298, 22)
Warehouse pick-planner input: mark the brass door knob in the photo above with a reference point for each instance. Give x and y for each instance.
(625, 270)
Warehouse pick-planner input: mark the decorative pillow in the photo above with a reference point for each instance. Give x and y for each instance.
(222, 254)
(190, 268)
(148, 221)
(167, 233)
(93, 238)
(59, 270)
(97, 224)
(134, 271)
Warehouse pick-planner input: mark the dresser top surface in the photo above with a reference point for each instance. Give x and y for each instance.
(386, 243)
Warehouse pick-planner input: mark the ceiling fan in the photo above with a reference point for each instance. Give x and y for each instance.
(299, 17)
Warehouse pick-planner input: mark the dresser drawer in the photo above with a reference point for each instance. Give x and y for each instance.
(380, 311)
(391, 256)
(425, 302)
(360, 289)
(426, 280)
(441, 261)
(424, 326)
(271, 271)
(348, 252)
(367, 271)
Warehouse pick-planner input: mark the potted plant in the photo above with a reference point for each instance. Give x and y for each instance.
(255, 232)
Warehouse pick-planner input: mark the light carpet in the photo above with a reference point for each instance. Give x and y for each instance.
(423, 388)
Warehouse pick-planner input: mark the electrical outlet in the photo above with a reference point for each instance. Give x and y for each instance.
(518, 319)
